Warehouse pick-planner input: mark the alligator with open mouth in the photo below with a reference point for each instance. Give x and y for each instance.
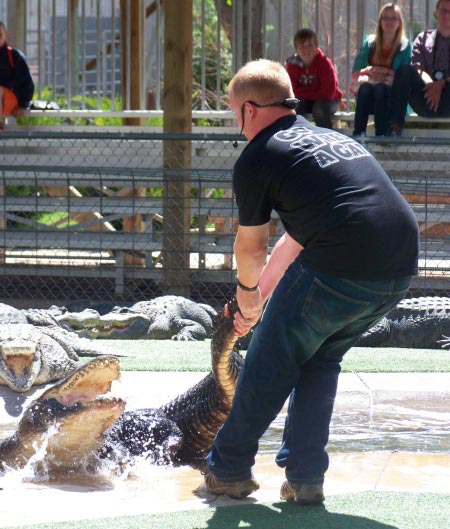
(68, 421)
(92, 429)
(31, 356)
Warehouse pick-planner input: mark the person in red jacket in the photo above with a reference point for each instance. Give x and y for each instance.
(313, 79)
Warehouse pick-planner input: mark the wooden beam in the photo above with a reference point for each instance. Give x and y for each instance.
(177, 104)
(17, 29)
(131, 13)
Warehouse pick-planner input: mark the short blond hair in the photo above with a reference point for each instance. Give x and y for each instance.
(262, 81)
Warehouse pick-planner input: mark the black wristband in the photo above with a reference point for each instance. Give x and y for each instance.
(247, 289)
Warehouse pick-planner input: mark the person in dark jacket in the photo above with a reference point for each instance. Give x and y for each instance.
(16, 83)
(313, 79)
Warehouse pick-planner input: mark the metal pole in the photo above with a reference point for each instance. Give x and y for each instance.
(333, 17)
(349, 66)
(99, 54)
(69, 54)
(128, 45)
(158, 55)
(280, 32)
(143, 61)
(54, 49)
(203, 57)
(83, 54)
(218, 60)
(113, 55)
(40, 48)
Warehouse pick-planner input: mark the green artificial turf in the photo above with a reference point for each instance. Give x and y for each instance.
(367, 510)
(169, 355)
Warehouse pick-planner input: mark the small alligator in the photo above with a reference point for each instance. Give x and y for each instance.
(162, 318)
(68, 421)
(189, 422)
(422, 323)
(31, 356)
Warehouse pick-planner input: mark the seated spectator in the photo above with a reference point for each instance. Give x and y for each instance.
(16, 83)
(374, 67)
(313, 79)
(424, 84)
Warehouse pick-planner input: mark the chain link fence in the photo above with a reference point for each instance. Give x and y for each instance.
(114, 218)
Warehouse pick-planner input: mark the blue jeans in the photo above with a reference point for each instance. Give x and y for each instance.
(408, 88)
(310, 322)
(322, 110)
(372, 99)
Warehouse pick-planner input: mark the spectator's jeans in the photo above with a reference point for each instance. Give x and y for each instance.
(308, 325)
(408, 88)
(322, 110)
(372, 99)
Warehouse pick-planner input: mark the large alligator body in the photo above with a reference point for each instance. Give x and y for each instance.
(162, 318)
(81, 429)
(422, 323)
(67, 423)
(188, 424)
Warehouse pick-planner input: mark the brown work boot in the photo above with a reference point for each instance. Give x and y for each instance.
(302, 493)
(235, 489)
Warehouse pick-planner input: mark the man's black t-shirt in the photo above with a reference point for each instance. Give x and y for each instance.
(333, 198)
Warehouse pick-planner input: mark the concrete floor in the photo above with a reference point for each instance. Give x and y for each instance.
(157, 489)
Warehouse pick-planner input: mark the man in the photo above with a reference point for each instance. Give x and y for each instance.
(16, 83)
(424, 83)
(346, 259)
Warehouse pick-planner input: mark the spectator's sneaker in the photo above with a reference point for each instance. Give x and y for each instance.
(235, 489)
(302, 493)
(394, 130)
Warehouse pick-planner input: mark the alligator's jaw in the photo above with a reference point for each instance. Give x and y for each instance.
(68, 421)
(81, 435)
(110, 326)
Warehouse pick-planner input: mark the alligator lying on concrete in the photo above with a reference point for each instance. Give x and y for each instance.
(31, 356)
(189, 422)
(162, 318)
(422, 323)
(68, 420)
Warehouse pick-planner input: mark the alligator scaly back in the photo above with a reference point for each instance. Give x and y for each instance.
(201, 410)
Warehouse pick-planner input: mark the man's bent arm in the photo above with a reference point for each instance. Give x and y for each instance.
(283, 254)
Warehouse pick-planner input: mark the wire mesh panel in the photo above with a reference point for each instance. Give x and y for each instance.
(100, 215)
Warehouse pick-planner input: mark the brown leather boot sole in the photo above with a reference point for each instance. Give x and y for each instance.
(237, 489)
(301, 493)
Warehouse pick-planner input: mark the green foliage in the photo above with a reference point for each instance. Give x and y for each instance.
(56, 219)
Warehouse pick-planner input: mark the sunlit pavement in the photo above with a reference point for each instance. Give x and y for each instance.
(157, 489)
